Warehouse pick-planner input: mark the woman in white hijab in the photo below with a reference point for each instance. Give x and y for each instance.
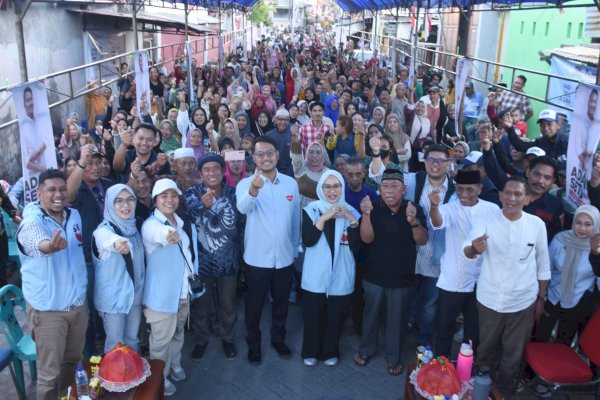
(570, 293)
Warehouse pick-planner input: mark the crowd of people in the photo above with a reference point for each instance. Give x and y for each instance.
(301, 174)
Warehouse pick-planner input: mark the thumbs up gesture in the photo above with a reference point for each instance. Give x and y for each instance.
(480, 244)
(366, 206)
(172, 237)
(411, 213)
(434, 198)
(208, 198)
(121, 246)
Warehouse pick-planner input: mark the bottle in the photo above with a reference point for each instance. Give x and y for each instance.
(427, 355)
(81, 381)
(464, 364)
(419, 360)
(483, 383)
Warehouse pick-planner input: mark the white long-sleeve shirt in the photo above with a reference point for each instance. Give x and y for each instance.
(515, 259)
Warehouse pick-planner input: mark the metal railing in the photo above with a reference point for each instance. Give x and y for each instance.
(431, 55)
(63, 83)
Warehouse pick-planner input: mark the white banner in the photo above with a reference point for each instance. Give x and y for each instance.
(583, 140)
(35, 131)
(462, 73)
(563, 92)
(143, 94)
(190, 57)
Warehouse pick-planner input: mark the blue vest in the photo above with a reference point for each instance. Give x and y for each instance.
(113, 287)
(318, 276)
(54, 282)
(164, 274)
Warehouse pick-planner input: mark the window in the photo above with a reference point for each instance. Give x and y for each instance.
(569, 26)
(533, 28)
(547, 29)
(522, 26)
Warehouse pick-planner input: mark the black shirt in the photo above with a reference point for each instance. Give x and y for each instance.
(392, 256)
(311, 234)
(549, 209)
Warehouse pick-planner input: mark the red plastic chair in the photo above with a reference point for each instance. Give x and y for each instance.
(560, 365)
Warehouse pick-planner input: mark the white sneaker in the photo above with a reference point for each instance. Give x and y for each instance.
(177, 374)
(170, 389)
(331, 362)
(310, 362)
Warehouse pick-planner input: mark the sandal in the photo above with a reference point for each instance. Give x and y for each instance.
(395, 370)
(361, 360)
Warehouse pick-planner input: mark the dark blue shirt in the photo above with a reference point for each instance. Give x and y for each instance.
(354, 198)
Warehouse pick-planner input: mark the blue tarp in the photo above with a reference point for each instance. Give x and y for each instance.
(353, 6)
(239, 4)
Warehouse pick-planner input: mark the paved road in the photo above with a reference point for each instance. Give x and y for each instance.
(216, 378)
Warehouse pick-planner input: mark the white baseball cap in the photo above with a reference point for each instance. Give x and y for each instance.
(548, 115)
(162, 185)
(535, 151)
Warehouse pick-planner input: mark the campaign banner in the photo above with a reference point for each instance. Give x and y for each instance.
(462, 74)
(143, 94)
(563, 92)
(190, 56)
(583, 141)
(35, 132)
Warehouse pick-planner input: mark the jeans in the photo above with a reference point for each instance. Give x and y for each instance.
(425, 298)
(122, 328)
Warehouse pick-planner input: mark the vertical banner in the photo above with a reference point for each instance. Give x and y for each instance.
(143, 95)
(462, 73)
(583, 141)
(190, 56)
(35, 132)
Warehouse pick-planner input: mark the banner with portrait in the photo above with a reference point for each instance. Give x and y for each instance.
(583, 141)
(143, 94)
(35, 132)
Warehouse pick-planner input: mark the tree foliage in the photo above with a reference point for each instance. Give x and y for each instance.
(260, 13)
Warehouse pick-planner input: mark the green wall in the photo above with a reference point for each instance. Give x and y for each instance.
(528, 32)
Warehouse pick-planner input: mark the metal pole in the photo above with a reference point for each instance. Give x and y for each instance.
(134, 23)
(21, 49)
(185, 9)
(220, 40)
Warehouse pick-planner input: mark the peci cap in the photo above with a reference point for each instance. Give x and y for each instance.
(535, 151)
(162, 185)
(470, 177)
(393, 173)
(548, 115)
(211, 157)
(281, 113)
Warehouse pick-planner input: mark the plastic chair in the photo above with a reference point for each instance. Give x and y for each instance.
(560, 365)
(22, 345)
(6, 358)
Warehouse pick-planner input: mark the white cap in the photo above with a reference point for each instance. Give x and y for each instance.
(536, 151)
(548, 115)
(474, 157)
(281, 113)
(183, 152)
(162, 185)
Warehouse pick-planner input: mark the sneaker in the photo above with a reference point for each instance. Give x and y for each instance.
(331, 362)
(310, 362)
(229, 350)
(170, 389)
(543, 390)
(520, 386)
(177, 374)
(198, 351)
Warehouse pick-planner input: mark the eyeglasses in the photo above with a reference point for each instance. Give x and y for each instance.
(121, 202)
(438, 161)
(330, 188)
(261, 154)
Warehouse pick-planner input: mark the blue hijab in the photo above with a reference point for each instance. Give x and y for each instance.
(333, 114)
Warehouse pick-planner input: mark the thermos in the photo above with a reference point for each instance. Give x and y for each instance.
(483, 384)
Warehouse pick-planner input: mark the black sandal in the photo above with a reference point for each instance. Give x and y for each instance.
(361, 360)
(395, 370)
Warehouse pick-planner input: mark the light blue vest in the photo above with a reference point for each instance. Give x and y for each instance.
(164, 274)
(318, 276)
(54, 282)
(113, 287)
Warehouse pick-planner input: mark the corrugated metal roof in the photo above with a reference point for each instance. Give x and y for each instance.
(592, 23)
(587, 54)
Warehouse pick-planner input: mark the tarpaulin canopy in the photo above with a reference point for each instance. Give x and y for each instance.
(353, 6)
(239, 4)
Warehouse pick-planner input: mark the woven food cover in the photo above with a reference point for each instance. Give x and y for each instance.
(122, 369)
(439, 377)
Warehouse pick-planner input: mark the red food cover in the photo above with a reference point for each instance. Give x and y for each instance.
(121, 365)
(439, 377)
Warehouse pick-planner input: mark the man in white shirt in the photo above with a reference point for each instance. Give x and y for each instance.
(458, 275)
(511, 290)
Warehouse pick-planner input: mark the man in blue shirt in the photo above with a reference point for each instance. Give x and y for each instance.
(271, 202)
(472, 104)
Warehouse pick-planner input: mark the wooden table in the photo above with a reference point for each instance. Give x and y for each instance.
(411, 394)
(151, 389)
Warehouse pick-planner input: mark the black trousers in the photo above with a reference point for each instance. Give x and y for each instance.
(570, 320)
(323, 317)
(450, 304)
(259, 280)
